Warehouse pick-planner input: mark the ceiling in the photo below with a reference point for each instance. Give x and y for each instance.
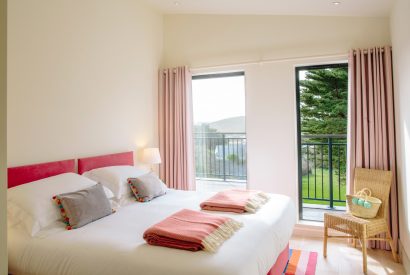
(376, 8)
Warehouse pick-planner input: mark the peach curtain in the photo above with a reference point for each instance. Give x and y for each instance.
(372, 130)
(175, 128)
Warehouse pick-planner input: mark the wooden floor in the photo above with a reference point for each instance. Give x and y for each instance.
(345, 259)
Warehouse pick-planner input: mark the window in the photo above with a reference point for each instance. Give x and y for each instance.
(219, 130)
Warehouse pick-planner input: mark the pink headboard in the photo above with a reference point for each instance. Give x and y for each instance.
(87, 164)
(28, 173)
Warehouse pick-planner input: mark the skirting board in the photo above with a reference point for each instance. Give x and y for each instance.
(404, 258)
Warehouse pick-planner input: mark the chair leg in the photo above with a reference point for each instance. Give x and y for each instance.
(392, 247)
(364, 252)
(325, 242)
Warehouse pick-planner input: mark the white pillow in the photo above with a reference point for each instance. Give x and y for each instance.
(32, 203)
(108, 192)
(115, 178)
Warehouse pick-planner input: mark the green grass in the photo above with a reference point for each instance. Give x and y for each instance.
(325, 187)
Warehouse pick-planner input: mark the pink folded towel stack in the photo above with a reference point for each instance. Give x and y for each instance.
(192, 230)
(238, 201)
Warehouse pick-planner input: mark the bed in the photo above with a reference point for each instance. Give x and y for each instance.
(114, 244)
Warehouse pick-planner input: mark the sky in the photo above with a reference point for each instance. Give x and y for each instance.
(302, 75)
(218, 98)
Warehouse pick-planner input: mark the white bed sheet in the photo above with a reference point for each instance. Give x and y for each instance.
(114, 245)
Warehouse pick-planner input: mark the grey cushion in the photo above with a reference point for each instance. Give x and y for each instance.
(147, 187)
(84, 206)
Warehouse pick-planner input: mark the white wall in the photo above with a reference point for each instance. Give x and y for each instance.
(202, 40)
(3, 145)
(270, 87)
(82, 78)
(400, 22)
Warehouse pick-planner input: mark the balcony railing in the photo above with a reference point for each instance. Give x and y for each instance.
(323, 169)
(220, 156)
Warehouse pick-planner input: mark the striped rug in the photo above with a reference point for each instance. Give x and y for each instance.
(301, 262)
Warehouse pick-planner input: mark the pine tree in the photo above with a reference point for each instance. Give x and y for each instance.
(323, 109)
(323, 101)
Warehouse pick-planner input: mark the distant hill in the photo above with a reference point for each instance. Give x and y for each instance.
(229, 125)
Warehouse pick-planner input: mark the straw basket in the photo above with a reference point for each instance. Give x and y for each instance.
(363, 205)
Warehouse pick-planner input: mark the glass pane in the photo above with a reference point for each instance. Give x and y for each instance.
(323, 139)
(219, 132)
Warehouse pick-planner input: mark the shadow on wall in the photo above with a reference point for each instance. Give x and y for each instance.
(405, 168)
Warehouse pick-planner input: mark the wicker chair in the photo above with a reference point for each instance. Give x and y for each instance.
(379, 182)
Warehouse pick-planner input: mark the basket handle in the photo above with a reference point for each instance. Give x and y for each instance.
(365, 192)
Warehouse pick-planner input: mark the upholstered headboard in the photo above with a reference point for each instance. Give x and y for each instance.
(28, 173)
(87, 164)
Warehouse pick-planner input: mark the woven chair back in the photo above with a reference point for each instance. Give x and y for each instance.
(379, 182)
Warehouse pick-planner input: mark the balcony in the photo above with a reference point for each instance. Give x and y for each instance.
(221, 164)
(220, 161)
(322, 175)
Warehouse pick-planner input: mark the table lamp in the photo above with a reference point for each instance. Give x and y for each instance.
(151, 156)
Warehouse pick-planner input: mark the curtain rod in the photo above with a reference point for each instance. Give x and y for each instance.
(371, 50)
(266, 61)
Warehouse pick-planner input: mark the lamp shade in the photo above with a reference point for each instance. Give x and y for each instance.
(151, 156)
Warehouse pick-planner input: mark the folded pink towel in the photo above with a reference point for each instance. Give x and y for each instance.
(238, 201)
(192, 230)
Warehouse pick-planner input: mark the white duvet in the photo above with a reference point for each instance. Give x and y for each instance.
(114, 245)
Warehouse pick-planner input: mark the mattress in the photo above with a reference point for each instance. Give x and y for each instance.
(114, 244)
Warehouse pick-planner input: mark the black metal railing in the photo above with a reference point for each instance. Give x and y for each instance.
(324, 169)
(220, 156)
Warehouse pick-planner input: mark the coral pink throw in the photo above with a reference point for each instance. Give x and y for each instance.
(192, 230)
(238, 201)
